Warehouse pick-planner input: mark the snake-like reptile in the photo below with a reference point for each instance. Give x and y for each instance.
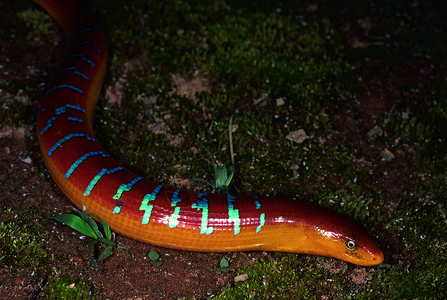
(152, 213)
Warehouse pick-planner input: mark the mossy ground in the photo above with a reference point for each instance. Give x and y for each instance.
(365, 80)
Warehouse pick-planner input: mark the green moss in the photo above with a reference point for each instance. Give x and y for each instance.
(21, 247)
(67, 288)
(40, 25)
(285, 277)
(424, 282)
(249, 57)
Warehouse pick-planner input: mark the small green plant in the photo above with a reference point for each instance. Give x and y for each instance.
(87, 226)
(67, 288)
(224, 267)
(222, 175)
(155, 259)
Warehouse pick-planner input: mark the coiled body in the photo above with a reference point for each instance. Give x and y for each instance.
(152, 213)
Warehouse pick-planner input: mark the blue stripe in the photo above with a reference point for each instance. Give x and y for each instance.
(81, 160)
(75, 55)
(63, 109)
(83, 31)
(92, 64)
(67, 69)
(75, 71)
(81, 43)
(64, 86)
(49, 124)
(125, 187)
(66, 138)
(75, 119)
(82, 75)
(98, 177)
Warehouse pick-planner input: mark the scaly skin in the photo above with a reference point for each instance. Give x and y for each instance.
(155, 214)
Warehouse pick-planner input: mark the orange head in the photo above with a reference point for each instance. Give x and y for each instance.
(335, 235)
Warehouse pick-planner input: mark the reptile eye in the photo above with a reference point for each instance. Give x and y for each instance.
(350, 244)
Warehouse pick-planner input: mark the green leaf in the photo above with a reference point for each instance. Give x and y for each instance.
(224, 267)
(76, 223)
(89, 220)
(220, 176)
(125, 248)
(224, 263)
(153, 255)
(156, 263)
(226, 270)
(230, 174)
(106, 253)
(90, 257)
(108, 242)
(106, 227)
(89, 227)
